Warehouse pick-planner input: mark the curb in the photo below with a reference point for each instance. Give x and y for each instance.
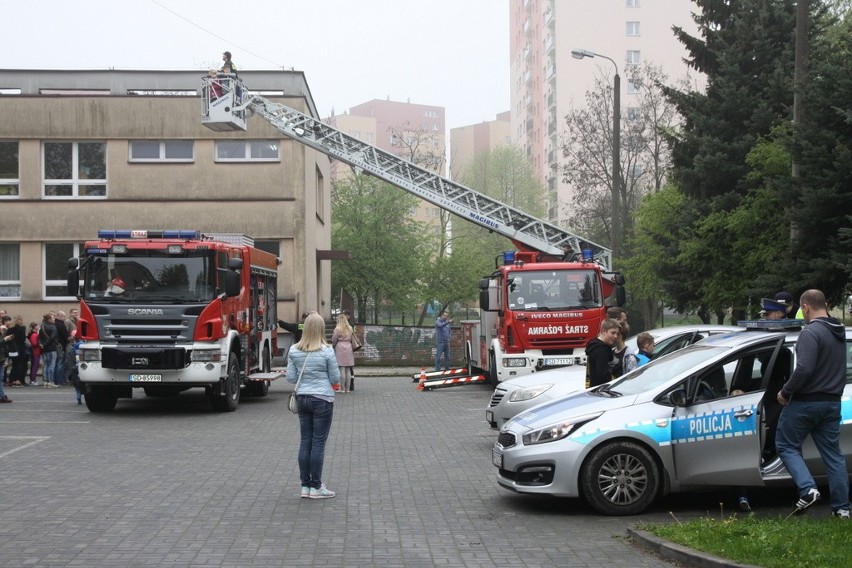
(680, 553)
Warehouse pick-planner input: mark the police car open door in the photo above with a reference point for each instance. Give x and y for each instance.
(716, 436)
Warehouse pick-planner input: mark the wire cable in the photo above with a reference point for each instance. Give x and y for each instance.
(217, 36)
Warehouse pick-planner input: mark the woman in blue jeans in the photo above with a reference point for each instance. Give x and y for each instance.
(312, 365)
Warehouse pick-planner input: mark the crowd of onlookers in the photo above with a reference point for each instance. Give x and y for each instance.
(46, 347)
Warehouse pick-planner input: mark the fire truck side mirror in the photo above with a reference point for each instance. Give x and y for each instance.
(483, 294)
(73, 283)
(231, 282)
(235, 263)
(620, 295)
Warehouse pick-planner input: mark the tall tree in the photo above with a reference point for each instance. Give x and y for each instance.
(746, 53)
(388, 248)
(586, 149)
(822, 199)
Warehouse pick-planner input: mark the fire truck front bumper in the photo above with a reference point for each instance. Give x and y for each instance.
(137, 367)
(196, 374)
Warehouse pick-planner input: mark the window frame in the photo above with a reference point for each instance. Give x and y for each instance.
(12, 182)
(162, 152)
(12, 282)
(74, 181)
(247, 146)
(633, 29)
(45, 282)
(633, 57)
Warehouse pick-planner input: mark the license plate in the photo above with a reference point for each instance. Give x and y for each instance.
(562, 361)
(145, 378)
(497, 457)
(489, 416)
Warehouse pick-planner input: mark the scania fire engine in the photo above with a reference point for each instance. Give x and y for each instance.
(166, 311)
(540, 307)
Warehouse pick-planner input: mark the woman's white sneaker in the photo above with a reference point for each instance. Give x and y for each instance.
(322, 493)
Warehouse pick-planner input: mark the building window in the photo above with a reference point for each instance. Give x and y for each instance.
(74, 169)
(634, 57)
(161, 151)
(55, 265)
(247, 151)
(10, 270)
(632, 28)
(272, 247)
(634, 113)
(8, 169)
(632, 87)
(370, 138)
(356, 134)
(632, 3)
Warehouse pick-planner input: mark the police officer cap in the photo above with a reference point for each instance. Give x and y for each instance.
(769, 305)
(784, 298)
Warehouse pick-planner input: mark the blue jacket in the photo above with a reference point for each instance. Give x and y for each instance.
(321, 371)
(442, 330)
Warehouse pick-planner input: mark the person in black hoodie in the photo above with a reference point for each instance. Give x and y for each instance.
(599, 354)
(811, 401)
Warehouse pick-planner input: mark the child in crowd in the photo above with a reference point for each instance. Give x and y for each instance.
(645, 343)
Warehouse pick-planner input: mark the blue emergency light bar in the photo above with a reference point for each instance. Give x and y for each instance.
(179, 234)
(773, 325)
(508, 257)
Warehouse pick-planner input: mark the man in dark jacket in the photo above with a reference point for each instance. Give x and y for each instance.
(599, 354)
(811, 401)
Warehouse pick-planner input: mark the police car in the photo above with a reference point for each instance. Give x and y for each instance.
(702, 416)
(515, 395)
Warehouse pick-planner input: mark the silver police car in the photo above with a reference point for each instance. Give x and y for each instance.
(703, 416)
(516, 395)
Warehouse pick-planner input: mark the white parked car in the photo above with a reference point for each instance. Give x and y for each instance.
(516, 395)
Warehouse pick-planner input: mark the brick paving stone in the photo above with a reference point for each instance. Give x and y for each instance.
(168, 483)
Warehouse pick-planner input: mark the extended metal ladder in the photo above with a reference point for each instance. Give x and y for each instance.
(525, 231)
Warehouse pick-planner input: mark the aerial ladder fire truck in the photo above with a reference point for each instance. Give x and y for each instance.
(542, 304)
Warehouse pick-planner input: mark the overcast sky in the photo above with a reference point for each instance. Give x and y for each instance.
(450, 53)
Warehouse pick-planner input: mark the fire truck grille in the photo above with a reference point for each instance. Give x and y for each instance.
(144, 358)
(159, 330)
(506, 439)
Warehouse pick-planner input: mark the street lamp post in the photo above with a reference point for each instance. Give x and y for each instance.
(615, 189)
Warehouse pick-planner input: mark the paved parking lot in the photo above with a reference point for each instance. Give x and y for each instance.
(167, 482)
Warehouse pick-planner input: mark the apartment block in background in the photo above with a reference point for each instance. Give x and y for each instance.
(546, 80)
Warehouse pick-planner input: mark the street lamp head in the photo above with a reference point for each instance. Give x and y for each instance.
(581, 53)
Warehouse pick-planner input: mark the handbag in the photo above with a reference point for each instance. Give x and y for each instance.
(293, 404)
(356, 345)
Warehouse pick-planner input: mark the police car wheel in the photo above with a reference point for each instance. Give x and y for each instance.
(621, 478)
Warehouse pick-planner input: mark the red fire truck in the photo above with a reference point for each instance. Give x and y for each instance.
(539, 312)
(542, 304)
(166, 311)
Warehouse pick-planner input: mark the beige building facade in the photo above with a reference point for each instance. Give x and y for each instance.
(88, 150)
(467, 142)
(546, 81)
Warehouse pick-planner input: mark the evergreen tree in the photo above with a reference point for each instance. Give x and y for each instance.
(746, 53)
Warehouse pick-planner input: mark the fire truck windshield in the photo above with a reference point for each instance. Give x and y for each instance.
(554, 290)
(145, 276)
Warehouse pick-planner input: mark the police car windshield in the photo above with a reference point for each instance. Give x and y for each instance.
(658, 372)
(534, 290)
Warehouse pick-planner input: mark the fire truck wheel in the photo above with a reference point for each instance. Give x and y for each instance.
(100, 399)
(492, 369)
(231, 400)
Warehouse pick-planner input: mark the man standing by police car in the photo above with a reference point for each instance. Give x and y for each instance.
(811, 400)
